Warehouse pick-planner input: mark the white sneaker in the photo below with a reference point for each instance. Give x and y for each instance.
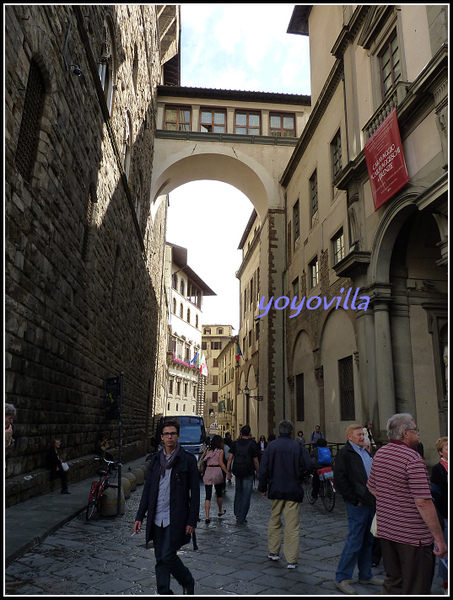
(273, 556)
(291, 565)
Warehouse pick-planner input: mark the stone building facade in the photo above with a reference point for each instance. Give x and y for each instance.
(349, 362)
(83, 252)
(215, 338)
(185, 290)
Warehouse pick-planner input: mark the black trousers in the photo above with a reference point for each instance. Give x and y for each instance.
(409, 569)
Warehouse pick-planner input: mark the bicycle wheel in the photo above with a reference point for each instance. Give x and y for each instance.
(327, 493)
(92, 500)
(308, 484)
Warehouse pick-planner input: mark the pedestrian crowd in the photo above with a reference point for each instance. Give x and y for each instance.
(394, 511)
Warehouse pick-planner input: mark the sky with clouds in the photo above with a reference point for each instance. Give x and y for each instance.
(239, 47)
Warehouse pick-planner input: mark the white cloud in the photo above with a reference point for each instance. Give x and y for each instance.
(245, 43)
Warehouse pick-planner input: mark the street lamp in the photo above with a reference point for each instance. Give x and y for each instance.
(246, 391)
(248, 396)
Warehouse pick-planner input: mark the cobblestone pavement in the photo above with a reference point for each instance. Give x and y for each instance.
(102, 557)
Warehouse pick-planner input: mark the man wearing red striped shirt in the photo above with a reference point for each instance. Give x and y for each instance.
(407, 522)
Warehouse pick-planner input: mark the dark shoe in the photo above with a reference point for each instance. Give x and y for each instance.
(207, 521)
(190, 589)
(222, 513)
(65, 492)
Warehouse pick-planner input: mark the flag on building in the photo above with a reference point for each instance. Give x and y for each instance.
(195, 359)
(203, 366)
(238, 352)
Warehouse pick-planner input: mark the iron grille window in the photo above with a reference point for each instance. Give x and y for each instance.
(314, 272)
(346, 379)
(300, 399)
(390, 65)
(314, 199)
(87, 228)
(27, 144)
(296, 221)
(338, 247)
(335, 148)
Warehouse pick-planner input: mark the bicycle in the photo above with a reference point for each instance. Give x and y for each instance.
(326, 487)
(98, 487)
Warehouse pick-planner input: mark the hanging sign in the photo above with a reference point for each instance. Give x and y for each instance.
(385, 161)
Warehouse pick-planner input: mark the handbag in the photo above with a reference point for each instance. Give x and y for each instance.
(373, 528)
(65, 466)
(202, 464)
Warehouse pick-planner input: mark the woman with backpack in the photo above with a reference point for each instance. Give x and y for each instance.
(213, 475)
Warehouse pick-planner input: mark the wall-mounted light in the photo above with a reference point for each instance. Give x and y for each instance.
(247, 394)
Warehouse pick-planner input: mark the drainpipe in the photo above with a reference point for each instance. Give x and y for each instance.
(282, 311)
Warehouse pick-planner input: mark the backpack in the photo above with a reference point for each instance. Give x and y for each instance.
(324, 456)
(243, 461)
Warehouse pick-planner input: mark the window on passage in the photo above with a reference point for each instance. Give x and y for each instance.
(282, 125)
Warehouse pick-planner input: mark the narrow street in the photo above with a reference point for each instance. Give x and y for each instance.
(102, 556)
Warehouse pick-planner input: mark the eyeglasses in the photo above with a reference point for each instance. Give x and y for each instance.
(170, 433)
(416, 429)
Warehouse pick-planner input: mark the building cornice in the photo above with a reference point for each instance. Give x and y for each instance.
(236, 95)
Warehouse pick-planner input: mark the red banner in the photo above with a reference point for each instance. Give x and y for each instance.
(385, 161)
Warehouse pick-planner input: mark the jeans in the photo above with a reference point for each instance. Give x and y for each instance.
(168, 562)
(358, 545)
(242, 497)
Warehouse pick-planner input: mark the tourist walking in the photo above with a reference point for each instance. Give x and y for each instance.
(282, 469)
(244, 456)
(214, 475)
(171, 499)
(407, 521)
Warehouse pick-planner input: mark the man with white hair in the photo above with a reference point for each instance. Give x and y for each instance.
(407, 522)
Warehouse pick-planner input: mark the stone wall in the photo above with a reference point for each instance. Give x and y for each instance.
(83, 257)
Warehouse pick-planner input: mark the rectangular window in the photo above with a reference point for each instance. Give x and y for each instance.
(338, 247)
(296, 287)
(215, 396)
(314, 216)
(346, 382)
(296, 221)
(282, 125)
(335, 151)
(247, 123)
(390, 66)
(314, 272)
(300, 398)
(177, 119)
(212, 121)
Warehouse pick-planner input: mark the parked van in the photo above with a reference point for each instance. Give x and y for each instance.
(192, 433)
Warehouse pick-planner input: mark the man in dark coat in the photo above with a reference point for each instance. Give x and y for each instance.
(282, 469)
(352, 469)
(171, 500)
